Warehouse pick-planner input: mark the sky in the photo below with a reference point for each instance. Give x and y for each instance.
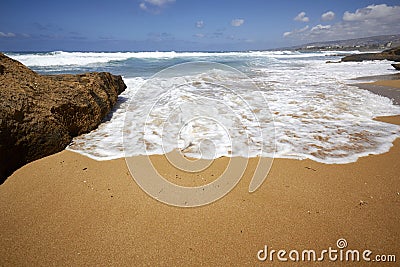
(188, 25)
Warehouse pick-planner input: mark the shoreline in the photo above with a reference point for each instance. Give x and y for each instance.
(67, 209)
(384, 85)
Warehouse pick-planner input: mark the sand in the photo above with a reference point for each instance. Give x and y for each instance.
(67, 209)
(388, 87)
(388, 83)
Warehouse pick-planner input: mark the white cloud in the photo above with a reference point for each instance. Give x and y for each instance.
(200, 24)
(159, 3)
(143, 6)
(320, 27)
(363, 22)
(10, 34)
(330, 15)
(286, 34)
(237, 22)
(199, 35)
(374, 12)
(154, 6)
(302, 17)
(296, 31)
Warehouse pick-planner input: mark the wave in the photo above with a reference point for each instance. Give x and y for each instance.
(61, 58)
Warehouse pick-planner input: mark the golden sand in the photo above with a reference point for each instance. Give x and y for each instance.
(388, 83)
(67, 209)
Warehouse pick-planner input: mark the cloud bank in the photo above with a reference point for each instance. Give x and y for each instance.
(367, 21)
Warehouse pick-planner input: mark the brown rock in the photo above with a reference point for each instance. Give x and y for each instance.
(392, 54)
(396, 66)
(39, 115)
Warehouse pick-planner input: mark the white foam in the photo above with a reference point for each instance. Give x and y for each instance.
(317, 115)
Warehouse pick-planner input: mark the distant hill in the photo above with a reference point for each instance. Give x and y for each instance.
(367, 43)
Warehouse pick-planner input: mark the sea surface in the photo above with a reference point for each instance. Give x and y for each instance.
(281, 104)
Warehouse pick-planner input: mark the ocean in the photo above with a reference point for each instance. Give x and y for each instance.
(282, 104)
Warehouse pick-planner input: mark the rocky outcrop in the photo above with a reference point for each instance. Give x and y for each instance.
(396, 66)
(390, 54)
(39, 115)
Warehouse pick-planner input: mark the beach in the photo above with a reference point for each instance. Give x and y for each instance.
(200, 133)
(68, 209)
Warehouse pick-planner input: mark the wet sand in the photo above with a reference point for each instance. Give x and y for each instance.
(388, 87)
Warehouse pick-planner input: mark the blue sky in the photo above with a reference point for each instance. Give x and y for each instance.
(188, 25)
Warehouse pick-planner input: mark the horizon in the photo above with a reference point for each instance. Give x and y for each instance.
(290, 48)
(189, 26)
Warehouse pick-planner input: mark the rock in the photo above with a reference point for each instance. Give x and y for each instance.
(396, 66)
(39, 115)
(392, 54)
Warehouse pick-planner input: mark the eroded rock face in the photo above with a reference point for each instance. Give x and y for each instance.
(392, 54)
(39, 115)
